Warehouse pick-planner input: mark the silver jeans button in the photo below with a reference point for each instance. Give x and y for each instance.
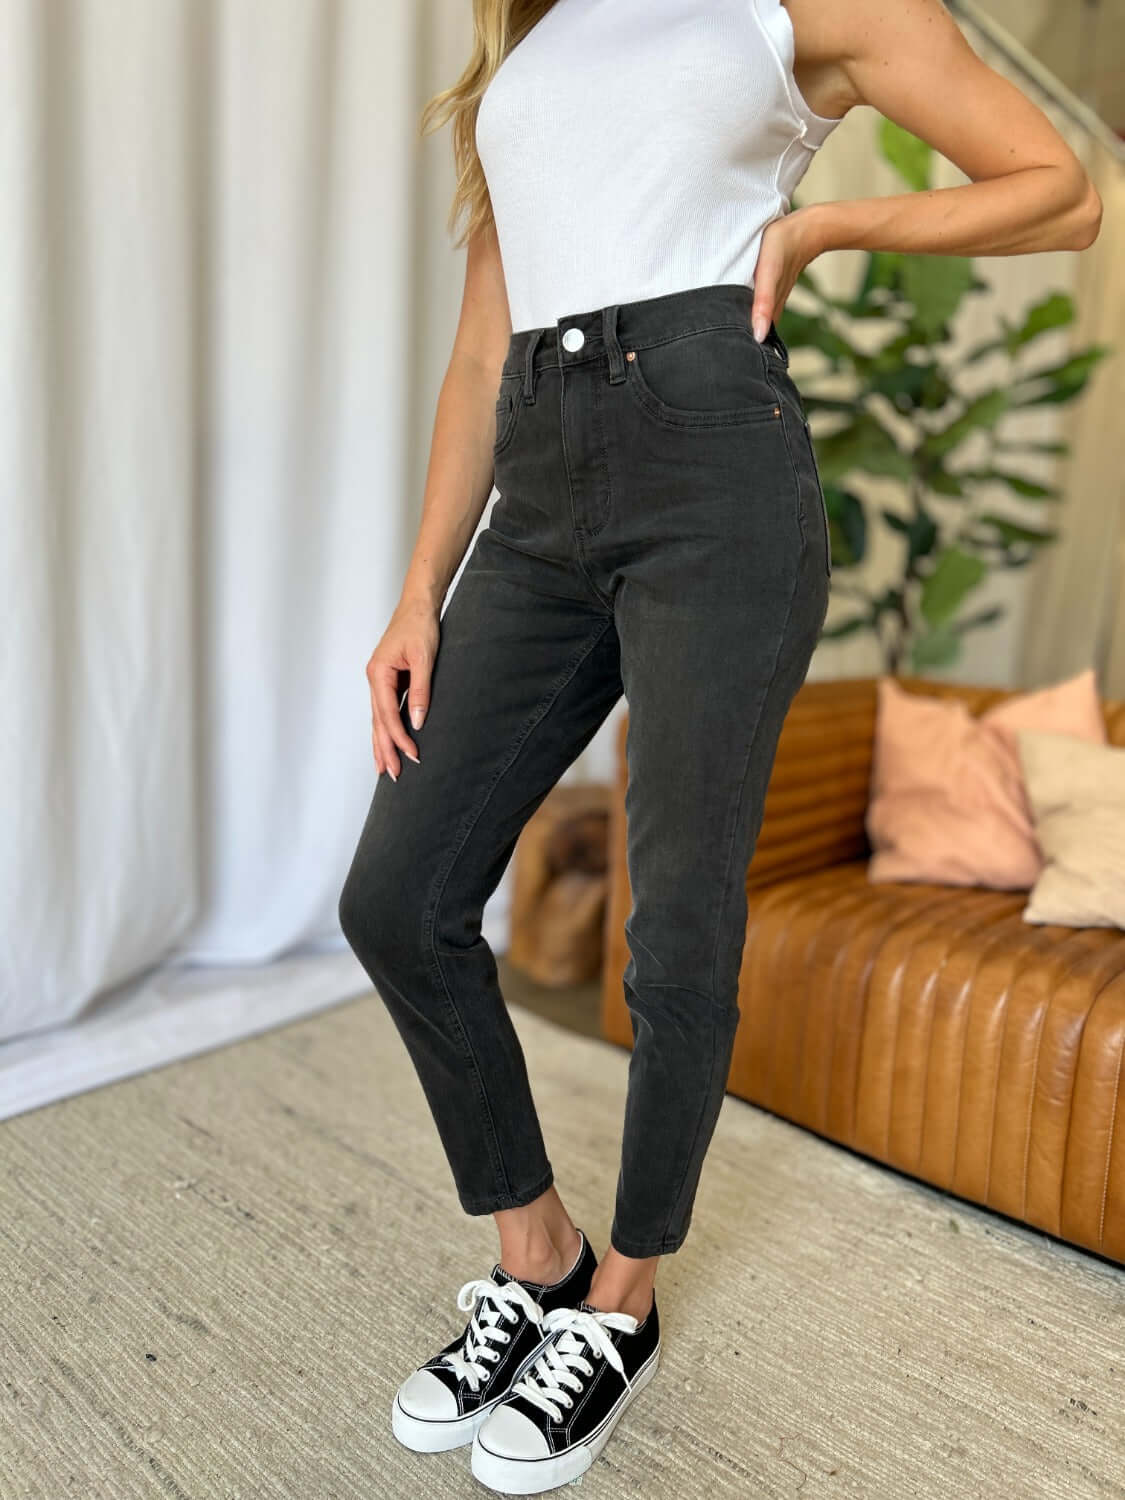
(573, 339)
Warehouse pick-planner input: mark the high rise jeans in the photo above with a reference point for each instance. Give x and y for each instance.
(659, 531)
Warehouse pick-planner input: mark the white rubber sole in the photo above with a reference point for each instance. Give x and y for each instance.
(531, 1476)
(437, 1435)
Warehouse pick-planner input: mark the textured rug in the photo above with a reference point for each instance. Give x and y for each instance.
(214, 1275)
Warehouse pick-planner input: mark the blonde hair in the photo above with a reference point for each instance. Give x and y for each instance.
(497, 26)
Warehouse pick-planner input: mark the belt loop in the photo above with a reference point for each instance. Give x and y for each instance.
(612, 345)
(529, 365)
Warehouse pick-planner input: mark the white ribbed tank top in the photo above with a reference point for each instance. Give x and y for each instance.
(637, 147)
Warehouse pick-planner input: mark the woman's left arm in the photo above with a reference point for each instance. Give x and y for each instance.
(910, 60)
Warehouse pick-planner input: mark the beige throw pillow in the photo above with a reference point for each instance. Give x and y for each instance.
(1077, 796)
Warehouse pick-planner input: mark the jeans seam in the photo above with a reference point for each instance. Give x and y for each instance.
(726, 883)
(822, 504)
(592, 531)
(686, 333)
(429, 922)
(576, 531)
(689, 1158)
(792, 462)
(745, 771)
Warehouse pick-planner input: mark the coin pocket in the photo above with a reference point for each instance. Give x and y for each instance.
(507, 412)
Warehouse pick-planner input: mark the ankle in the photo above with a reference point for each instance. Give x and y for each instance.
(636, 1301)
(622, 1283)
(539, 1251)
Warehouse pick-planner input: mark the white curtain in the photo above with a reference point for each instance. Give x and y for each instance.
(210, 372)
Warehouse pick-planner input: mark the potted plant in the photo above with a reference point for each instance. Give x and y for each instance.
(910, 416)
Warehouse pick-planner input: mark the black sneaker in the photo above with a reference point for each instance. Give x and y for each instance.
(444, 1402)
(560, 1414)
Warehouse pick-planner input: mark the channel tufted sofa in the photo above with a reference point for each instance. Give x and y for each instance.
(927, 1027)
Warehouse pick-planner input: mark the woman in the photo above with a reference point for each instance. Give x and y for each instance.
(659, 532)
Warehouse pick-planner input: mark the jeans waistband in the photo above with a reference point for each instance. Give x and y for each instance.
(606, 332)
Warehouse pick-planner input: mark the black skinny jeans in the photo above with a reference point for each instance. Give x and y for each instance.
(659, 531)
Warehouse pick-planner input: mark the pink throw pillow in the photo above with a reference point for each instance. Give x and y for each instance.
(947, 801)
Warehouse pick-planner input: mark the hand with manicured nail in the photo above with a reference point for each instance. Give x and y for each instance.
(788, 245)
(408, 647)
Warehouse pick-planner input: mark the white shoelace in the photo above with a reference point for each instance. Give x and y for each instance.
(543, 1383)
(496, 1302)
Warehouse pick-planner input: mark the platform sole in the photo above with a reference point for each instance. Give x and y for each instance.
(531, 1476)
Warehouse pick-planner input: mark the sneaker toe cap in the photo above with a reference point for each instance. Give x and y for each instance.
(424, 1396)
(511, 1434)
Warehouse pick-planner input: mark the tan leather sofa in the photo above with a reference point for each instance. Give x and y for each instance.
(925, 1026)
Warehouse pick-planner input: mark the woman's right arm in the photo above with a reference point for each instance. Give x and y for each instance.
(458, 483)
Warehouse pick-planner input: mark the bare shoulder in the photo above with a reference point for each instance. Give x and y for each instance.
(911, 61)
(840, 42)
(841, 30)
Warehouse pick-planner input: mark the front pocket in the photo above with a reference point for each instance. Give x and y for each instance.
(715, 377)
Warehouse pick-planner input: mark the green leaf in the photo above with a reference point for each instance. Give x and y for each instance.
(1058, 396)
(846, 628)
(938, 391)
(923, 535)
(955, 574)
(1030, 489)
(894, 352)
(937, 648)
(911, 157)
(982, 617)
(920, 532)
(813, 331)
(1027, 489)
(863, 444)
(1077, 366)
(1056, 310)
(1010, 532)
(944, 482)
(935, 284)
(900, 380)
(1055, 450)
(981, 351)
(984, 411)
(1058, 383)
(847, 526)
(908, 384)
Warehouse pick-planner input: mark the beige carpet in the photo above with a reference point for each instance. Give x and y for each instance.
(213, 1276)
